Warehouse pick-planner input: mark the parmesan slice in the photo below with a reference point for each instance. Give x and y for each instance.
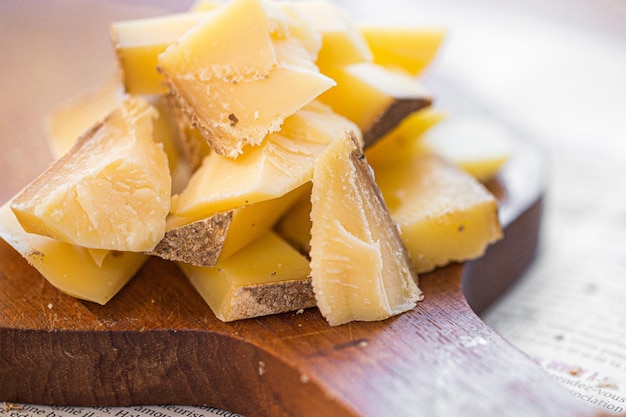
(266, 277)
(110, 191)
(360, 268)
(71, 268)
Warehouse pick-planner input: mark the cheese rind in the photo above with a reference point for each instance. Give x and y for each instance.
(110, 191)
(266, 277)
(71, 268)
(359, 266)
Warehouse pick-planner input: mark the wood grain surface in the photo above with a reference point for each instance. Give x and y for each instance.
(157, 342)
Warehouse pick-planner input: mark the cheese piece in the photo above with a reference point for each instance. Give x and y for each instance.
(291, 24)
(66, 123)
(282, 163)
(411, 49)
(375, 98)
(110, 191)
(72, 118)
(193, 146)
(476, 145)
(295, 225)
(204, 242)
(225, 75)
(444, 214)
(266, 277)
(342, 42)
(405, 139)
(71, 268)
(165, 131)
(139, 42)
(360, 269)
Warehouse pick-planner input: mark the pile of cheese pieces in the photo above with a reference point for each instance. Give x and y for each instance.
(241, 142)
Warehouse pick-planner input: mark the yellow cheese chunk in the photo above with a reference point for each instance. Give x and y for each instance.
(110, 191)
(342, 42)
(206, 241)
(193, 145)
(266, 277)
(139, 42)
(359, 268)
(165, 131)
(411, 49)
(224, 74)
(476, 145)
(65, 124)
(282, 163)
(233, 45)
(405, 139)
(444, 214)
(71, 119)
(71, 268)
(290, 23)
(295, 225)
(251, 221)
(373, 97)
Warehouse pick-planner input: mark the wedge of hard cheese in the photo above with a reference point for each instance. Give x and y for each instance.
(404, 139)
(139, 42)
(480, 147)
(266, 277)
(110, 191)
(342, 42)
(374, 97)
(71, 268)
(225, 74)
(411, 49)
(359, 265)
(67, 122)
(445, 215)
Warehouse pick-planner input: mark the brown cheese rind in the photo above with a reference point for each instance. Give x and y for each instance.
(394, 114)
(199, 243)
(271, 298)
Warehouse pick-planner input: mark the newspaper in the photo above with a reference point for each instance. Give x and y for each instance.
(568, 313)
(30, 410)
